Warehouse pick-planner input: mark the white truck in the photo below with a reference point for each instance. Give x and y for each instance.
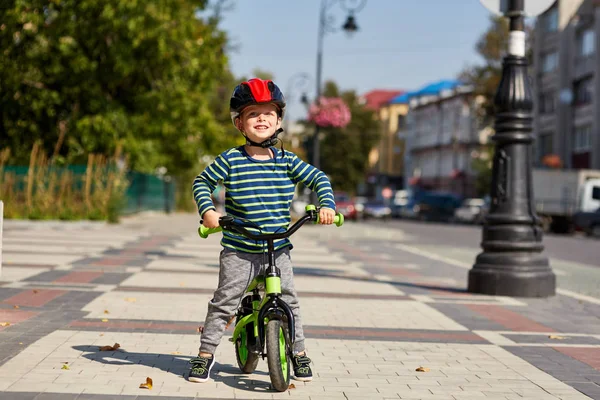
(559, 194)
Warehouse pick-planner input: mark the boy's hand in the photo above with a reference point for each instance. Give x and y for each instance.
(210, 219)
(326, 216)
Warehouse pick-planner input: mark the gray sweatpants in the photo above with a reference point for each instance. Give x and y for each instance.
(237, 269)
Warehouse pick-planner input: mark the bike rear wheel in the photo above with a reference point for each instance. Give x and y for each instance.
(278, 355)
(246, 359)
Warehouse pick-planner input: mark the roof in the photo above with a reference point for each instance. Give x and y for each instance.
(431, 89)
(375, 99)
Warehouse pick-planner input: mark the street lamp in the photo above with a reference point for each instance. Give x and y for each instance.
(300, 81)
(350, 27)
(512, 263)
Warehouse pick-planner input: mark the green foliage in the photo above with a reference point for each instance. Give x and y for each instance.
(482, 165)
(345, 152)
(82, 75)
(485, 78)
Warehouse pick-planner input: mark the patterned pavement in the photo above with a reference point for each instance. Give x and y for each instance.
(374, 308)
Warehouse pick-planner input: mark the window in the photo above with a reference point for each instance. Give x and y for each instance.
(596, 193)
(550, 20)
(547, 102)
(549, 62)
(583, 91)
(582, 139)
(545, 145)
(401, 122)
(586, 42)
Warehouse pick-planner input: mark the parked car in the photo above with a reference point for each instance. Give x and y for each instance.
(345, 205)
(471, 211)
(377, 209)
(589, 222)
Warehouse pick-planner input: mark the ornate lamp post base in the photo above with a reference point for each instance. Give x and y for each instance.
(512, 262)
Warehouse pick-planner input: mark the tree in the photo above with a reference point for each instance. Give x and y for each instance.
(485, 78)
(82, 76)
(345, 151)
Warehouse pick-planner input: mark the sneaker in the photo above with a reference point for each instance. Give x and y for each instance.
(302, 371)
(200, 370)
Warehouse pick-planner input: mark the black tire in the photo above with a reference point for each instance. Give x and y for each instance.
(246, 360)
(279, 364)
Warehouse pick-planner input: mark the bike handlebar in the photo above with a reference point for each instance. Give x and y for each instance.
(228, 223)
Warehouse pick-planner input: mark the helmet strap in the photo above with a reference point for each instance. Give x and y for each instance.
(272, 141)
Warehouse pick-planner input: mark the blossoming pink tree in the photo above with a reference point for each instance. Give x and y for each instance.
(329, 112)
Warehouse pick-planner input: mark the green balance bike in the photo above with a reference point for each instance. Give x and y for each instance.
(264, 325)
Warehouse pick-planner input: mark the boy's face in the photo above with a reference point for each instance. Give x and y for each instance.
(259, 122)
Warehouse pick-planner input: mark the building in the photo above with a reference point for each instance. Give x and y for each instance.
(566, 67)
(442, 136)
(386, 160)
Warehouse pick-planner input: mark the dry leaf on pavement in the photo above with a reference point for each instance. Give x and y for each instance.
(175, 352)
(106, 312)
(104, 320)
(65, 367)
(423, 369)
(110, 348)
(147, 385)
(4, 323)
(292, 386)
(35, 291)
(557, 337)
(15, 306)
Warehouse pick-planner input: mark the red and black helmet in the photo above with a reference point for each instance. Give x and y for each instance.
(255, 91)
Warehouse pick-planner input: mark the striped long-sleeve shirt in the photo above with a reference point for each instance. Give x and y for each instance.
(260, 191)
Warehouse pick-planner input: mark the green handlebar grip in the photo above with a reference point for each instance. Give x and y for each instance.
(338, 220)
(204, 231)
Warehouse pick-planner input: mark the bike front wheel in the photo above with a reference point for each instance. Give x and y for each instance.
(278, 355)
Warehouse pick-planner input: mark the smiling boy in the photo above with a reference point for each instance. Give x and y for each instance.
(260, 181)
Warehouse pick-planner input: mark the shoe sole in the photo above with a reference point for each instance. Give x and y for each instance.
(308, 379)
(200, 380)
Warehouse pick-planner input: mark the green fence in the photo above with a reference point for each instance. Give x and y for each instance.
(149, 192)
(144, 192)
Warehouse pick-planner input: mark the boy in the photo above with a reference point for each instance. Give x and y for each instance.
(260, 182)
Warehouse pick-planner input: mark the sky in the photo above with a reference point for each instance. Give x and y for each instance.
(401, 44)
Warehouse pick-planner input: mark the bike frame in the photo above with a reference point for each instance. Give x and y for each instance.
(271, 306)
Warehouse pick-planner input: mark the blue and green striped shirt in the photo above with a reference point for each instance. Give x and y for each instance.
(260, 191)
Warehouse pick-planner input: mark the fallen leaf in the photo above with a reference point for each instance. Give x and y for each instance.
(102, 334)
(15, 306)
(423, 369)
(20, 342)
(4, 323)
(147, 385)
(35, 291)
(104, 320)
(175, 352)
(557, 337)
(200, 329)
(110, 348)
(106, 312)
(292, 386)
(131, 299)
(65, 367)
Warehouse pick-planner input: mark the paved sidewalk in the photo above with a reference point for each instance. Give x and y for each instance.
(374, 308)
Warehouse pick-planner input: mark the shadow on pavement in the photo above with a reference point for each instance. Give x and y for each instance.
(179, 365)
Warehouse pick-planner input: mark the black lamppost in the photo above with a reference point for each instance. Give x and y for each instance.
(512, 263)
(296, 83)
(350, 27)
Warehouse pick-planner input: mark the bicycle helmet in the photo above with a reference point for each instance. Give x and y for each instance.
(257, 91)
